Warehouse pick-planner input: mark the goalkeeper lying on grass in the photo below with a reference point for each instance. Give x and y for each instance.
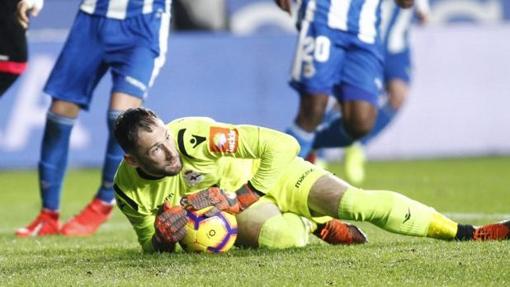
(254, 172)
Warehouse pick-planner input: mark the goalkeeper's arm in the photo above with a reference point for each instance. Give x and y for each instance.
(221, 200)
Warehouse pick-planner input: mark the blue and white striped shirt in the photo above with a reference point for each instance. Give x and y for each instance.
(361, 17)
(396, 23)
(122, 9)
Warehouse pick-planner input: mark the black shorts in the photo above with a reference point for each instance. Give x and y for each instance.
(13, 45)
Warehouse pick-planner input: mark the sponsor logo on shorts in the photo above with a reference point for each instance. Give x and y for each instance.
(302, 177)
(224, 140)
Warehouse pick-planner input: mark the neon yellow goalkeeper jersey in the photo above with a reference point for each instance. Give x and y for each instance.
(212, 153)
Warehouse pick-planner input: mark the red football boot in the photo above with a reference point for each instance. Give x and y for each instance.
(336, 232)
(46, 223)
(88, 221)
(497, 231)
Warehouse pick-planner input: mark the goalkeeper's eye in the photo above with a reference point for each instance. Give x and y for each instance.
(155, 149)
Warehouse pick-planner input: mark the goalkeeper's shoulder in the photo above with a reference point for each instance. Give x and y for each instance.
(191, 122)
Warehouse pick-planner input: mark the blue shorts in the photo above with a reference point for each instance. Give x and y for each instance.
(328, 59)
(133, 49)
(398, 66)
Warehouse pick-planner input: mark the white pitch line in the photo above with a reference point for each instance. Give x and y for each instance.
(477, 215)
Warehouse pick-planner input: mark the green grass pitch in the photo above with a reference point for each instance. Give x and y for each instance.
(473, 190)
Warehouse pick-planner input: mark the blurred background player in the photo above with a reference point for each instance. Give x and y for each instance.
(129, 38)
(395, 29)
(338, 53)
(13, 43)
(199, 15)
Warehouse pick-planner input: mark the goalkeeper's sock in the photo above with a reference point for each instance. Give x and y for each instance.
(304, 138)
(113, 157)
(53, 162)
(285, 231)
(333, 134)
(395, 213)
(385, 115)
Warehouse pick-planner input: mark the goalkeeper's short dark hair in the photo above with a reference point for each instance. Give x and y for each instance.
(129, 123)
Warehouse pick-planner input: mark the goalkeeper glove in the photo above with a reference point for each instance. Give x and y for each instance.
(221, 200)
(169, 226)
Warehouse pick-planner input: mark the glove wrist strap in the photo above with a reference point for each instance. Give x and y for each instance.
(247, 195)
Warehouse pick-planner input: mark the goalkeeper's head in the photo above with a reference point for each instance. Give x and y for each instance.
(147, 143)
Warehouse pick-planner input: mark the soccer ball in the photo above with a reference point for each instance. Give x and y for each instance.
(213, 234)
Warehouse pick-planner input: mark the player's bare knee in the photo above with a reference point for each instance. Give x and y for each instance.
(64, 108)
(122, 101)
(311, 110)
(358, 127)
(325, 195)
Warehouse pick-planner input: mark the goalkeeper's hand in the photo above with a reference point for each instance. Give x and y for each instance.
(170, 227)
(220, 200)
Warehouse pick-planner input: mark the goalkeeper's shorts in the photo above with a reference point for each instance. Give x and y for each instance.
(291, 191)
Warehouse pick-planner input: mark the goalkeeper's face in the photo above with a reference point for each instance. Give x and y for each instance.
(156, 153)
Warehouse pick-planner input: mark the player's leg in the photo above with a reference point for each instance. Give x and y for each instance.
(397, 78)
(13, 49)
(263, 225)
(70, 84)
(290, 197)
(315, 70)
(392, 211)
(310, 113)
(134, 68)
(357, 94)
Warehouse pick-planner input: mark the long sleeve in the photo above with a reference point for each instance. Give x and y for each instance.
(143, 224)
(274, 149)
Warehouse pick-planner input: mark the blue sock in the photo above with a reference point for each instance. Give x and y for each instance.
(113, 157)
(53, 162)
(304, 138)
(384, 116)
(333, 134)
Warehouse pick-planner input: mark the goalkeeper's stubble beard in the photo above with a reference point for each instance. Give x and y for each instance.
(171, 167)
